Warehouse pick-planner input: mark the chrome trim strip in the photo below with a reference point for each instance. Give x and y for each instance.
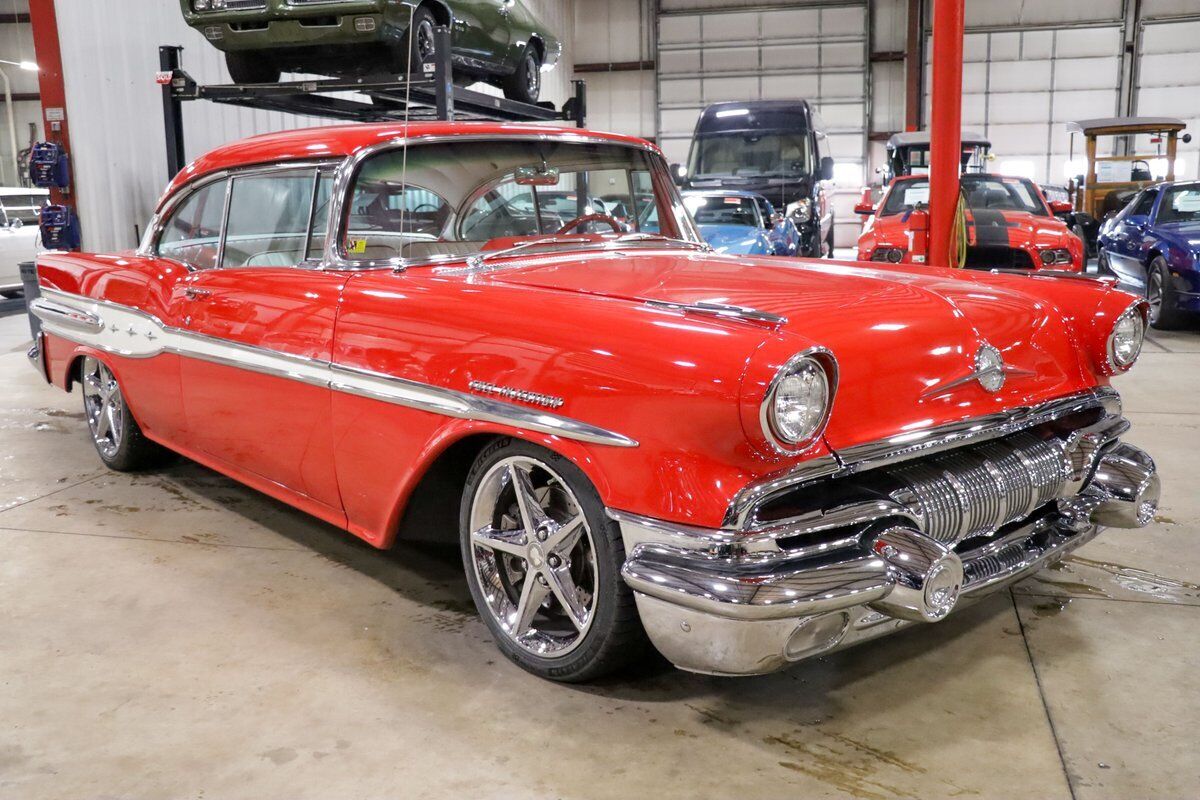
(132, 333)
(51, 313)
(913, 444)
(722, 310)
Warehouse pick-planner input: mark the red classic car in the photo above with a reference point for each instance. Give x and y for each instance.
(633, 438)
(1009, 225)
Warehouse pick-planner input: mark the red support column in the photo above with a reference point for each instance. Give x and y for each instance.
(50, 83)
(945, 131)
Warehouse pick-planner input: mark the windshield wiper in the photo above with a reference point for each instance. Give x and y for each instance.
(479, 259)
(658, 237)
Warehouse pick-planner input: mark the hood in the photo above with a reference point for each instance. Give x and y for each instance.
(996, 228)
(899, 336)
(734, 239)
(780, 191)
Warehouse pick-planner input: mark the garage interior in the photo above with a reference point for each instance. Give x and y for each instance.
(177, 634)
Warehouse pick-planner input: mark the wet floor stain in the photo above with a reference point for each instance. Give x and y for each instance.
(852, 766)
(1086, 577)
(280, 755)
(1051, 608)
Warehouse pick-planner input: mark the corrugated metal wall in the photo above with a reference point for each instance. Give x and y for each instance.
(110, 57)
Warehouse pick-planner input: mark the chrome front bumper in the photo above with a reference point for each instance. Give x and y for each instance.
(742, 603)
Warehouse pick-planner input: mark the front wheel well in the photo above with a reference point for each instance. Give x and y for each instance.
(431, 513)
(537, 44)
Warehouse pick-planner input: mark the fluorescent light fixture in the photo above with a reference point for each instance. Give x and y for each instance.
(26, 65)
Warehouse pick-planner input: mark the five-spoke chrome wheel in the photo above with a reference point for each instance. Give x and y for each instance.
(534, 556)
(104, 407)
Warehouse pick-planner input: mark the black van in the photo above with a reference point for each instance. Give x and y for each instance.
(776, 148)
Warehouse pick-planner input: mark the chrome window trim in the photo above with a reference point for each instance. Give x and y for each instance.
(335, 259)
(150, 240)
(132, 333)
(913, 444)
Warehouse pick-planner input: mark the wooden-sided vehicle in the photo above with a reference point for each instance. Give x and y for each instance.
(1109, 181)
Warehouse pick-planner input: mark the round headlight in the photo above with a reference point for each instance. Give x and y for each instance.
(801, 210)
(797, 404)
(1125, 341)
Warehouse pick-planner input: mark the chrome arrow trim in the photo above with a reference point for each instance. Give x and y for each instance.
(721, 310)
(131, 333)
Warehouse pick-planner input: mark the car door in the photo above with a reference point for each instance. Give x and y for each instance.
(1125, 250)
(259, 330)
(485, 30)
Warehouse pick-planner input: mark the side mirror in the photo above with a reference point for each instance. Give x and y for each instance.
(679, 174)
(1061, 207)
(826, 168)
(866, 209)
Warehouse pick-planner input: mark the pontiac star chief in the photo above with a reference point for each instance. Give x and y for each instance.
(632, 438)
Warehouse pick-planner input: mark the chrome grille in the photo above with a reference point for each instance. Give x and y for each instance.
(976, 490)
(241, 5)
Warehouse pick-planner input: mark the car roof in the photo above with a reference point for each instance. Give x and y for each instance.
(1105, 125)
(340, 141)
(911, 138)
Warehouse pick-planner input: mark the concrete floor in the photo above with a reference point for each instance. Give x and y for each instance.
(175, 635)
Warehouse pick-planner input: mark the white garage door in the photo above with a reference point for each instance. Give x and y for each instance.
(1169, 84)
(771, 53)
(1021, 87)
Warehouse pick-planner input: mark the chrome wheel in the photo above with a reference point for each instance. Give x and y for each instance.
(533, 76)
(533, 555)
(104, 407)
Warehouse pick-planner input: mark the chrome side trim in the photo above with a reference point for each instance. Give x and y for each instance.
(721, 310)
(913, 444)
(131, 333)
(51, 313)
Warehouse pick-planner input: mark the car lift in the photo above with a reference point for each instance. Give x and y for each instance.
(382, 98)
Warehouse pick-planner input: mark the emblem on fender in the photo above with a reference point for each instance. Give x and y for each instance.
(509, 393)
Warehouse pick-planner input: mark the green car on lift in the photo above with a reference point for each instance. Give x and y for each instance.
(497, 41)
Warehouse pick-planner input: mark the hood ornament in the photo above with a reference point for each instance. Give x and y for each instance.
(988, 369)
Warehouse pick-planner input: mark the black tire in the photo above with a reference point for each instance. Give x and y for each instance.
(525, 84)
(118, 439)
(419, 46)
(829, 239)
(1164, 300)
(251, 68)
(613, 636)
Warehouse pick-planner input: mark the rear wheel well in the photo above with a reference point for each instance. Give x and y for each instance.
(441, 14)
(431, 513)
(75, 372)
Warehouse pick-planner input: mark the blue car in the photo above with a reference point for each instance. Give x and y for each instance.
(1153, 246)
(732, 222)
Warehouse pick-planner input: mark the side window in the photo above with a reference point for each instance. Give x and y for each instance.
(268, 219)
(192, 233)
(1143, 205)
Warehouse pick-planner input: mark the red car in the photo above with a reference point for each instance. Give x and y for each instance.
(742, 461)
(1009, 225)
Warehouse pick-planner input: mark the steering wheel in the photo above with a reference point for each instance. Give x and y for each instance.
(575, 223)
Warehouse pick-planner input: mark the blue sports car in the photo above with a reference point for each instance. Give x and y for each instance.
(742, 223)
(1153, 246)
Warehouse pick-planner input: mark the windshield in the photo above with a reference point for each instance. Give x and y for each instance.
(459, 198)
(1002, 194)
(905, 196)
(721, 210)
(25, 207)
(751, 154)
(981, 193)
(1180, 204)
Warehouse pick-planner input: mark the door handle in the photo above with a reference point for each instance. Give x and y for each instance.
(192, 293)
